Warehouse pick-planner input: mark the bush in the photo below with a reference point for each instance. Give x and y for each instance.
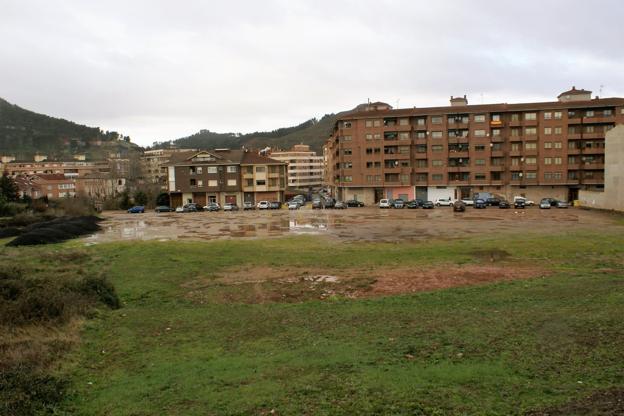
(9, 232)
(56, 230)
(25, 391)
(10, 209)
(102, 290)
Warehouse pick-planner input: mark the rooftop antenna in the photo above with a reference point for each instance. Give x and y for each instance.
(600, 91)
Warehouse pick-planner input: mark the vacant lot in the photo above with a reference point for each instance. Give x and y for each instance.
(354, 224)
(510, 321)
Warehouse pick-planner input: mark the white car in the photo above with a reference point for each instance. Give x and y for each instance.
(468, 201)
(447, 202)
(230, 207)
(385, 203)
(264, 205)
(527, 202)
(179, 209)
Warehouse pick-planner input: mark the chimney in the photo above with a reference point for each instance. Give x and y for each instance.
(459, 101)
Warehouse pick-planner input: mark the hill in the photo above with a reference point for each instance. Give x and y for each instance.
(24, 133)
(313, 132)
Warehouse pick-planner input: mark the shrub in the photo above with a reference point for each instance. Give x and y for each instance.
(25, 390)
(102, 290)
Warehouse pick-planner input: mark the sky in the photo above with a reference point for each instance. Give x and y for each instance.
(157, 70)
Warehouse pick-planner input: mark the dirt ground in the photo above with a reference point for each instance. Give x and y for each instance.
(354, 224)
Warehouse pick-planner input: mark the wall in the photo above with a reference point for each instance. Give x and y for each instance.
(434, 193)
(366, 195)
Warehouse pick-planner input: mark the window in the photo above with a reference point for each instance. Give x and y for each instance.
(437, 148)
(547, 115)
(404, 122)
(404, 135)
(479, 162)
(557, 115)
(437, 177)
(421, 134)
(548, 160)
(589, 113)
(421, 121)
(515, 132)
(547, 145)
(530, 116)
(479, 118)
(557, 130)
(530, 131)
(211, 169)
(231, 182)
(369, 136)
(199, 170)
(346, 124)
(377, 150)
(496, 132)
(515, 117)
(530, 145)
(479, 176)
(369, 178)
(607, 113)
(421, 163)
(347, 165)
(531, 175)
(496, 117)
(403, 149)
(377, 136)
(231, 169)
(369, 150)
(436, 163)
(404, 178)
(530, 160)
(515, 161)
(248, 182)
(213, 182)
(515, 145)
(515, 176)
(436, 120)
(479, 148)
(347, 152)
(557, 160)
(557, 145)
(369, 123)
(436, 134)
(347, 178)
(589, 129)
(260, 182)
(346, 138)
(547, 131)
(479, 133)
(376, 123)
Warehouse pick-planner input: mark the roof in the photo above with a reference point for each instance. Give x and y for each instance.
(222, 157)
(574, 91)
(500, 107)
(50, 176)
(253, 158)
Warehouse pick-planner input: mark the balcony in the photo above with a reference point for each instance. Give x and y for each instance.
(496, 123)
(593, 150)
(497, 153)
(593, 165)
(497, 168)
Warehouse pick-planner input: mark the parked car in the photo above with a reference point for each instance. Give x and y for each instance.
(275, 205)
(230, 207)
(493, 201)
(340, 205)
(164, 208)
(468, 201)
(553, 201)
(479, 204)
(504, 204)
(355, 203)
(398, 203)
(213, 207)
(527, 202)
(264, 205)
(293, 205)
(446, 202)
(545, 203)
(329, 202)
(385, 203)
(459, 206)
(317, 204)
(413, 204)
(519, 203)
(562, 204)
(428, 205)
(179, 209)
(189, 208)
(248, 206)
(137, 209)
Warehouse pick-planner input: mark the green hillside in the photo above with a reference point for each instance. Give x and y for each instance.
(313, 132)
(24, 133)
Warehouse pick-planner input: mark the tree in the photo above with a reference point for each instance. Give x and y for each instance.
(8, 188)
(124, 200)
(140, 198)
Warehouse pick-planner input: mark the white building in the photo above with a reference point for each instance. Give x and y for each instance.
(305, 168)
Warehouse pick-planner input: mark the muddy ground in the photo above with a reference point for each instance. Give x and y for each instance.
(354, 224)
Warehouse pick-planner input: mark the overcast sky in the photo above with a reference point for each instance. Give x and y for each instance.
(159, 70)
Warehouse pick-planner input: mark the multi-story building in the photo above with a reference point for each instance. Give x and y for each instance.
(50, 185)
(224, 176)
(154, 164)
(69, 168)
(531, 149)
(305, 168)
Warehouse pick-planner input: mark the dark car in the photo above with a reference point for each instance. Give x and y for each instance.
(164, 208)
(413, 204)
(329, 202)
(275, 205)
(459, 206)
(317, 204)
(398, 203)
(138, 209)
(520, 204)
(493, 202)
(355, 203)
(479, 204)
(428, 205)
(340, 205)
(503, 204)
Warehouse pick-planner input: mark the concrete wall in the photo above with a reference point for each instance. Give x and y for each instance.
(613, 195)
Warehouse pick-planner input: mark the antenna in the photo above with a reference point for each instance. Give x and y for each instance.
(600, 91)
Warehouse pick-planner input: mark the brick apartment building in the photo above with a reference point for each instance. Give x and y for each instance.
(48, 185)
(223, 176)
(533, 149)
(305, 168)
(154, 164)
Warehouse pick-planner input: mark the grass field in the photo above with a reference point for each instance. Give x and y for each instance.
(554, 341)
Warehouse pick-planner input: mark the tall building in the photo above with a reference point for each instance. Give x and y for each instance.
(305, 168)
(154, 164)
(532, 149)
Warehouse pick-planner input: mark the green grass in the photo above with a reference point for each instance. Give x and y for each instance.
(501, 348)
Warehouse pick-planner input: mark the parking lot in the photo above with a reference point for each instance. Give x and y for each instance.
(353, 224)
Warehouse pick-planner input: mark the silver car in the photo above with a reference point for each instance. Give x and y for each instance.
(544, 203)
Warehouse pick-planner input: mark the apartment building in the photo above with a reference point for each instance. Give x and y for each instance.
(305, 168)
(533, 149)
(69, 168)
(224, 176)
(49, 185)
(154, 164)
